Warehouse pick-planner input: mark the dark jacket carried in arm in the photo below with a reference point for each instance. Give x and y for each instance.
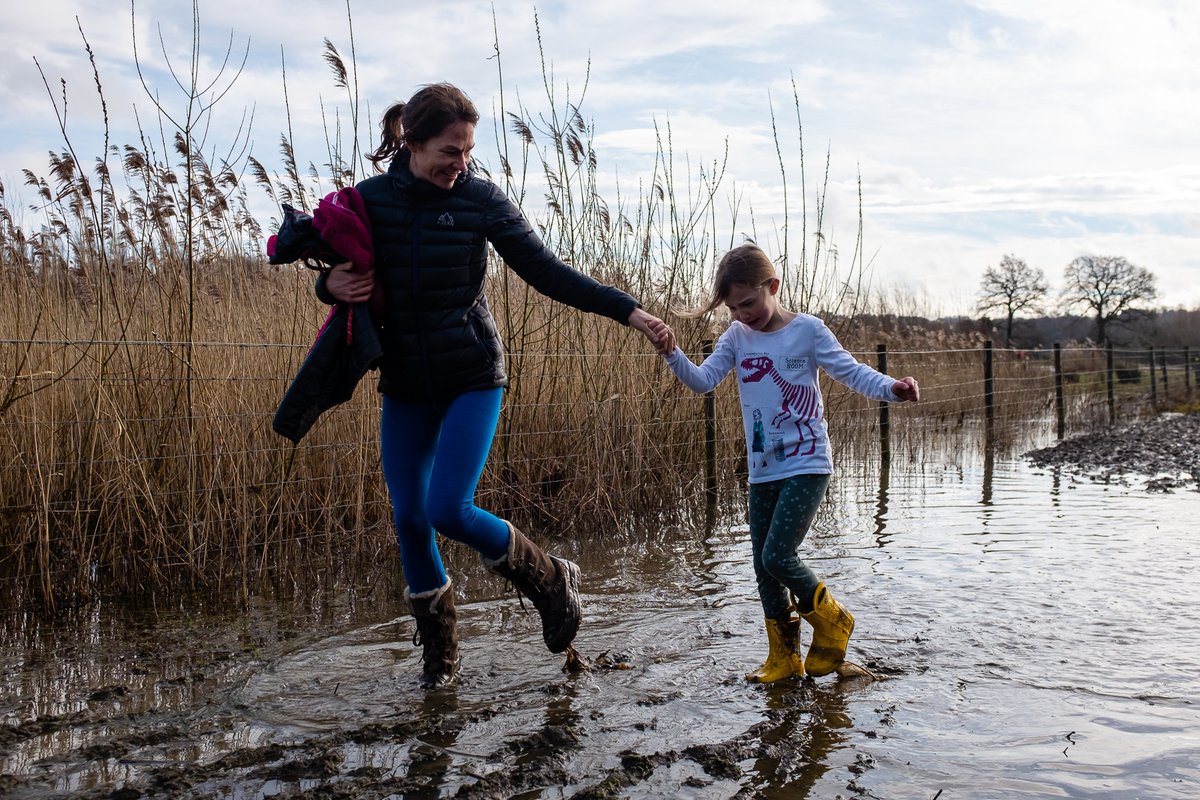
(439, 338)
(347, 345)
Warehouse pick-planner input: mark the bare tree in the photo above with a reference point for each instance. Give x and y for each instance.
(1108, 286)
(1014, 286)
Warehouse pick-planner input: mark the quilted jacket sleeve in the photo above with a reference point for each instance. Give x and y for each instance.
(527, 255)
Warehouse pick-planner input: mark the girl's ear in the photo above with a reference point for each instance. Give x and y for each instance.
(774, 287)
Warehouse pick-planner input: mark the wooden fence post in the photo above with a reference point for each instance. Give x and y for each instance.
(1060, 409)
(1112, 399)
(710, 439)
(1187, 369)
(989, 398)
(1162, 359)
(885, 444)
(1153, 381)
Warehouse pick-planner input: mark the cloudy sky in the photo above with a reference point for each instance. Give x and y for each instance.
(1046, 129)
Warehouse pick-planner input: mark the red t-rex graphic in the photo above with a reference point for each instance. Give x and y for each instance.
(798, 401)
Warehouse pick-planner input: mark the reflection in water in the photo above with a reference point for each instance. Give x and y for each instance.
(989, 466)
(430, 758)
(1056, 678)
(710, 514)
(562, 721)
(881, 504)
(806, 726)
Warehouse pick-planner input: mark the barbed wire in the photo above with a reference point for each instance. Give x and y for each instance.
(287, 495)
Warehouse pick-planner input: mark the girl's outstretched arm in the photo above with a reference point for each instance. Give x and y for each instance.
(844, 368)
(703, 378)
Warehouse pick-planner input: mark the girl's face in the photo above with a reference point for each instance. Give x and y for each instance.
(444, 157)
(756, 306)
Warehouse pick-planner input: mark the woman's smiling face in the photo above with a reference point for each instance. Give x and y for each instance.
(443, 158)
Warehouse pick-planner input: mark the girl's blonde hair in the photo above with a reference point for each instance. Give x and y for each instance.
(747, 265)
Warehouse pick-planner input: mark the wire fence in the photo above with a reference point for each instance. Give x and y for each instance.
(134, 475)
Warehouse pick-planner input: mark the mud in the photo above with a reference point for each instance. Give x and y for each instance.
(1163, 451)
(228, 741)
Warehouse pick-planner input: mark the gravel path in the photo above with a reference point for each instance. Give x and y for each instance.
(1166, 449)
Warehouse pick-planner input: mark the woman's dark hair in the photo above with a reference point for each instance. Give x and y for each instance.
(426, 114)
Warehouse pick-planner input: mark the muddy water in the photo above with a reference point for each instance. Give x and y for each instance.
(1033, 634)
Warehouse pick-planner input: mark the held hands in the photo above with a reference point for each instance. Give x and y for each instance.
(907, 389)
(349, 286)
(654, 329)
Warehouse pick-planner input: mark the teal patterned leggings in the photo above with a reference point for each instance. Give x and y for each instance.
(780, 515)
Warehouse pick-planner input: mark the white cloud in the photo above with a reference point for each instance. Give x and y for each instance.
(980, 127)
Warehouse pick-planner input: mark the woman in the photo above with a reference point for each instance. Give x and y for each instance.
(432, 217)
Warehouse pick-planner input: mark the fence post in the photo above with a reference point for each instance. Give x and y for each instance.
(1059, 406)
(710, 439)
(1187, 369)
(989, 399)
(885, 444)
(1153, 381)
(1112, 400)
(1162, 359)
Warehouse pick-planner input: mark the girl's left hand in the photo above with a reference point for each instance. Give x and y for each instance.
(907, 389)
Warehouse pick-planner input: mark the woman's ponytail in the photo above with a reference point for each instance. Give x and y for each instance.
(392, 140)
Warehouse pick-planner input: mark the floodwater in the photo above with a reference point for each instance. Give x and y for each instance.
(1031, 633)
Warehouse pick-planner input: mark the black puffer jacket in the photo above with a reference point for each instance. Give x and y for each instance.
(439, 338)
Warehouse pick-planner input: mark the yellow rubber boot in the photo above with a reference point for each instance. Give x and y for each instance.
(832, 625)
(783, 656)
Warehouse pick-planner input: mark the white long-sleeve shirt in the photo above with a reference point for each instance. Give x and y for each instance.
(782, 409)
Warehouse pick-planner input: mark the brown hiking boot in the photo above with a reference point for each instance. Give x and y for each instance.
(552, 584)
(436, 634)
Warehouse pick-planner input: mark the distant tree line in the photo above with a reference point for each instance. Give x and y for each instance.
(1103, 298)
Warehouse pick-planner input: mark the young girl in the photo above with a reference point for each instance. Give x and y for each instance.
(776, 353)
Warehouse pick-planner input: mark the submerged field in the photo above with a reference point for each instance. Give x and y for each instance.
(1001, 608)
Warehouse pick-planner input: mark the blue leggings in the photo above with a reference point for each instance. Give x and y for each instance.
(433, 455)
(781, 513)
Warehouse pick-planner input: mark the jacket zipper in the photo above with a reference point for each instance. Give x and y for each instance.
(422, 333)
